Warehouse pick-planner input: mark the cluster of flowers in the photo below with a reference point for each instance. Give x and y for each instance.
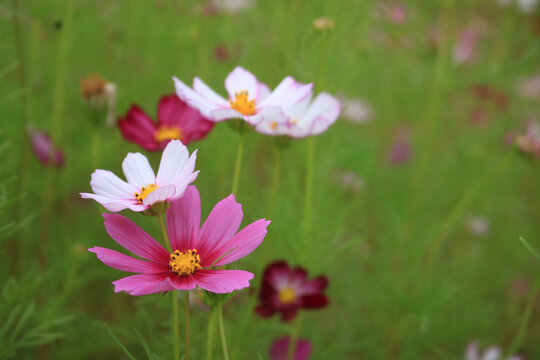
(194, 255)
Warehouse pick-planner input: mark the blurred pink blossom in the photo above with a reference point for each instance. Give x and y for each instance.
(466, 46)
(530, 87)
(529, 142)
(396, 13)
(401, 150)
(478, 225)
(348, 180)
(280, 348)
(44, 149)
(356, 111)
(221, 53)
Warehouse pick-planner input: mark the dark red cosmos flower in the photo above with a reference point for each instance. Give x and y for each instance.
(286, 290)
(176, 121)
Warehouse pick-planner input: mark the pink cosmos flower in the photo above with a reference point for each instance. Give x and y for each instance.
(175, 121)
(197, 250)
(248, 98)
(280, 349)
(529, 142)
(491, 353)
(287, 290)
(305, 118)
(466, 46)
(44, 148)
(143, 188)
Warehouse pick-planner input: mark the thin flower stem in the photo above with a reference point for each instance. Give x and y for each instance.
(187, 325)
(176, 324)
(238, 166)
(222, 333)
(164, 232)
(275, 182)
(525, 318)
(211, 334)
(308, 197)
(295, 330)
(176, 329)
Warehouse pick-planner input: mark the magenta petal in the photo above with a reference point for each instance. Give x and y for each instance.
(243, 243)
(222, 223)
(123, 262)
(222, 281)
(142, 284)
(134, 239)
(280, 349)
(184, 219)
(176, 282)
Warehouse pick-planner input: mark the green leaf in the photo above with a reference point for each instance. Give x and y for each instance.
(529, 247)
(119, 343)
(149, 353)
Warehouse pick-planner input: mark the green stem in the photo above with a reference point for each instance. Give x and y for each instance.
(187, 324)
(275, 182)
(295, 330)
(222, 333)
(525, 318)
(308, 197)
(238, 165)
(176, 326)
(211, 334)
(164, 232)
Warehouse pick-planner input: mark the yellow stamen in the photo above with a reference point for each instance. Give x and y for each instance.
(145, 191)
(185, 263)
(287, 295)
(273, 125)
(242, 104)
(168, 133)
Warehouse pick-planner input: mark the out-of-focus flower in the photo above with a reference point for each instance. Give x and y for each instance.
(529, 142)
(348, 180)
(285, 291)
(520, 286)
(175, 121)
(44, 149)
(465, 48)
(492, 353)
(401, 150)
(530, 87)
(196, 250)
(221, 53)
(323, 23)
(100, 95)
(249, 99)
(478, 116)
(233, 6)
(305, 119)
(525, 6)
(143, 189)
(478, 225)
(280, 349)
(356, 111)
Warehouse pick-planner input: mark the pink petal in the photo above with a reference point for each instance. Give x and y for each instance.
(243, 243)
(134, 239)
(222, 223)
(184, 219)
(183, 283)
(280, 349)
(222, 281)
(123, 262)
(170, 109)
(142, 284)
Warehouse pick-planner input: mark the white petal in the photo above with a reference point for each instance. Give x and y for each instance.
(322, 113)
(296, 111)
(162, 193)
(287, 93)
(193, 99)
(493, 353)
(114, 205)
(138, 170)
(225, 114)
(108, 184)
(263, 91)
(204, 90)
(173, 160)
(182, 186)
(241, 80)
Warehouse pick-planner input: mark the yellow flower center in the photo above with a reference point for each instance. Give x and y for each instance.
(168, 133)
(145, 191)
(242, 104)
(287, 295)
(185, 263)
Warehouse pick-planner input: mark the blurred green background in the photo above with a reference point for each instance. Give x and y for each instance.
(423, 253)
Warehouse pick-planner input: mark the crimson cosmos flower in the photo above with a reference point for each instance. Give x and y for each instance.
(175, 121)
(196, 250)
(286, 290)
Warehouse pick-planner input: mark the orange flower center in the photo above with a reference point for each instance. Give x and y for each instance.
(242, 104)
(185, 263)
(287, 295)
(168, 133)
(145, 191)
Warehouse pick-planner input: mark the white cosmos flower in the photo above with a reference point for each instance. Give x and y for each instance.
(248, 98)
(143, 188)
(305, 119)
(492, 353)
